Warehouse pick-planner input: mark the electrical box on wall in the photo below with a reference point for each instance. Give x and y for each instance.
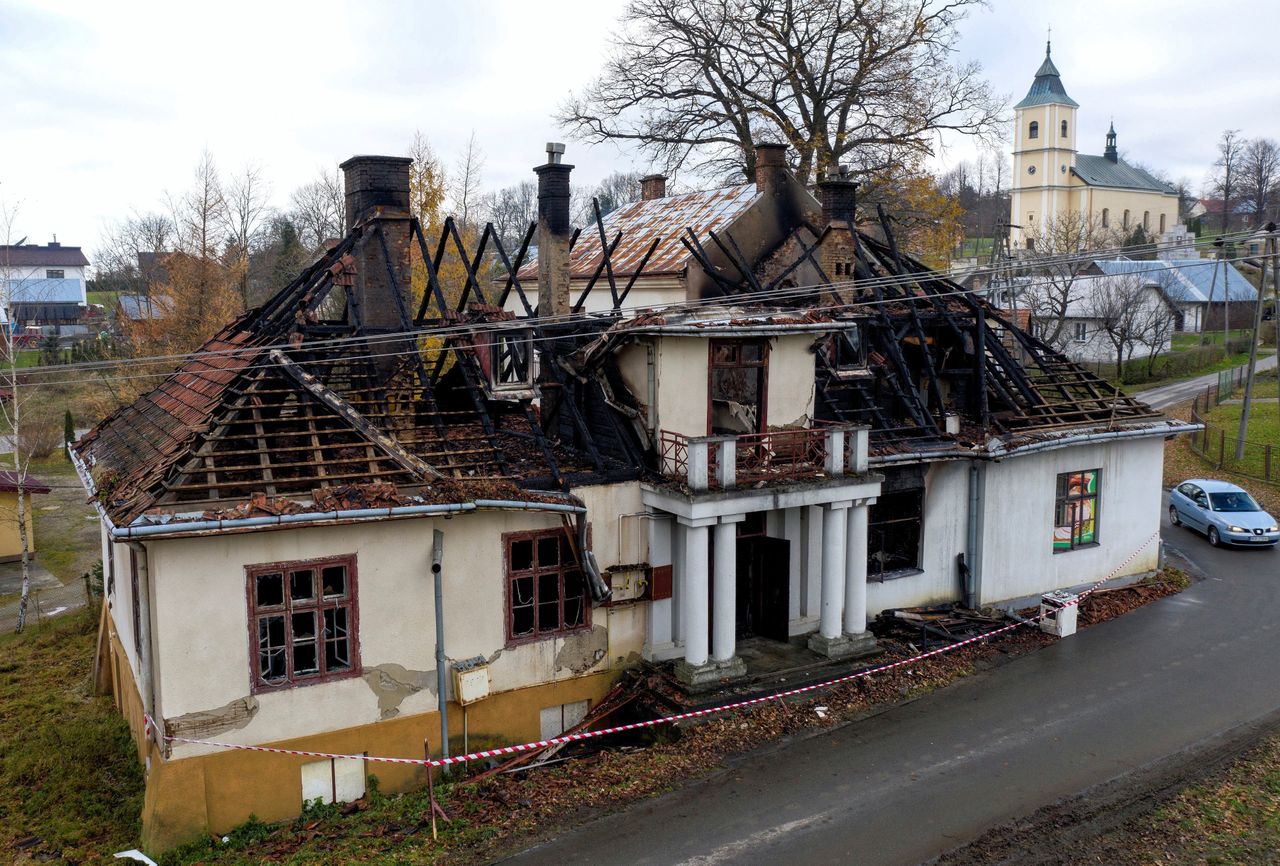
(628, 582)
(470, 680)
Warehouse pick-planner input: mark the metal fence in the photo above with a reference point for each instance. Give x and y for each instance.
(1217, 442)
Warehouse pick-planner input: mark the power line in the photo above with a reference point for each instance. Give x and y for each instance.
(888, 281)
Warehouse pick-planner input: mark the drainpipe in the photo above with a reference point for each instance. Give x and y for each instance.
(972, 571)
(437, 555)
(146, 688)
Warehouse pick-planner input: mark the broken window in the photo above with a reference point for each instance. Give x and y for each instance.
(512, 365)
(302, 621)
(850, 353)
(546, 590)
(1075, 513)
(736, 382)
(894, 531)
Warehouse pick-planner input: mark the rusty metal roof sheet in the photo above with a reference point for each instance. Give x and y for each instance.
(665, 219)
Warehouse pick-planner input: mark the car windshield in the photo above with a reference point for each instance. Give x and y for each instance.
(1240, 501)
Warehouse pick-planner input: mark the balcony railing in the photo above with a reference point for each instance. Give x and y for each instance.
(725, 462)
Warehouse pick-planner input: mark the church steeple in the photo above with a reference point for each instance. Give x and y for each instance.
(1047, 87)
(1111, 153)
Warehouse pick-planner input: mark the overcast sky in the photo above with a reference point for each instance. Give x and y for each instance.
(106, 105)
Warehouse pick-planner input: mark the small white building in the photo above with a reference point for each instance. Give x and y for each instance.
(43, 285)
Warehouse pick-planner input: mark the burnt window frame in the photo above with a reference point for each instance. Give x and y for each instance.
(876, 571)
(761, 365)
(566, 565)
(348, 601)
(522, 337)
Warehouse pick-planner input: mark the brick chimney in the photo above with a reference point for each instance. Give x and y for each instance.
(653, 186)
(553, 233)
(377, 198)
(771, 165)
(838, 195)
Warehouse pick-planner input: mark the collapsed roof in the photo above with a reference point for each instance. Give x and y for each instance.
(335, 383)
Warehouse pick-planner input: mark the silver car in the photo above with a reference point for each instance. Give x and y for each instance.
(1222, 511)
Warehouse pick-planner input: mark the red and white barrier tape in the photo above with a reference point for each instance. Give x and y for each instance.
(678, 717)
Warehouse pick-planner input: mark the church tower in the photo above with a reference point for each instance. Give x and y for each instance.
(1044, 153)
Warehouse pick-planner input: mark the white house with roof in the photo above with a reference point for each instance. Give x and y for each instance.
(1191, 286)
(43, 285)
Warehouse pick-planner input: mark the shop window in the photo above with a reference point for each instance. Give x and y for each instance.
(546, 589)
(736, 385)
(1075, 521)
(302, 622)
(1033, 131)
(893, 532)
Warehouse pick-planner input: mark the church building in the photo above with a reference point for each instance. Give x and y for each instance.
(1051, 179)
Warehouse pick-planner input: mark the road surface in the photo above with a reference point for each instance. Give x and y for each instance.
(1167, 395)
(917, 780)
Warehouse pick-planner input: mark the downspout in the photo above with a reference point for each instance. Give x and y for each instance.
(437, 557)
(146, 688)
(972, 570)
(600, 590)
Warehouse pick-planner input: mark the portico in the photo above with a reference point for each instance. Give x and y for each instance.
(825, 516)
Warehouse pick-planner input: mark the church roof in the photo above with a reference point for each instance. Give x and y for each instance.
(1100, 171)
(1047, 87)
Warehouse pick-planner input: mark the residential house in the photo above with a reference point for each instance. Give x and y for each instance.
(44, 285)
(141, 308)
(776, 454)
(1198, 289)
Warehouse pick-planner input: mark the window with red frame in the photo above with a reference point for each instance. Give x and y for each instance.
(546, 590)
(302, 622)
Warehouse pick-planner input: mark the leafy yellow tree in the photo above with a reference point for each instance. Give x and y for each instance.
(927, 224)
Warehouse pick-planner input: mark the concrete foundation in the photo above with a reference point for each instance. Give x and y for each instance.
(846, 646)
(709, 674)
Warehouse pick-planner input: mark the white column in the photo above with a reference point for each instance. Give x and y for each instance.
(811, 576)
(695, 586)
(855, 573)
(724, 621)
(677, 581)
(833, 566)
(791, 531)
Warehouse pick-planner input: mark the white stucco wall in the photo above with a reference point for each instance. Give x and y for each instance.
(791, 380)
(202, 635)
(1017, 545)
(682, 385)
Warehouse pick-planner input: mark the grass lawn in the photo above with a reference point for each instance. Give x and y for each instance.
(69, 775)
(107, 299)
(67, 540)
(1108, 371)
(1264, 429)
(1185, 340)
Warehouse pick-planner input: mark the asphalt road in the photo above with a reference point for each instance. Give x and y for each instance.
(1167, 395)
(904, 786)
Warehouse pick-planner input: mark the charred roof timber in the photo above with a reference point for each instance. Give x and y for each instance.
(248, 426)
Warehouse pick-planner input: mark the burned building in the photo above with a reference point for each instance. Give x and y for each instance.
(785, 427)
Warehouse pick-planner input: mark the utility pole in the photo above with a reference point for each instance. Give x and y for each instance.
(1243, 432)
(1275, 301)
(1226, 299)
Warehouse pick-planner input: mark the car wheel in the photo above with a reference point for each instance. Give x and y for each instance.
(1173, 516)
(1214, 539)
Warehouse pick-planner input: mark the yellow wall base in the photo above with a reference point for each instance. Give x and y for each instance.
(187, 798)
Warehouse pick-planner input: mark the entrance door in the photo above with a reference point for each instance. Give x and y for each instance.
(764, 587)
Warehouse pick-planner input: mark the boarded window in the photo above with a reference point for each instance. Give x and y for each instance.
(302, 622)
(333, 780)
(736, 385)
(546, 589)
(554, 721)
(1075, 512)
(894, 527)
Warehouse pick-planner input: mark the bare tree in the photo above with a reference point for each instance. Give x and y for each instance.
(200, 213)
(1259, 176)
(12, 409)
(317, 208)
(426, 182)
(699, 81)
(1225, 181)
(117, 262)
(1120, 304)
(246, 201)
(511, 209)
(1061, 251)
(464, 187)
